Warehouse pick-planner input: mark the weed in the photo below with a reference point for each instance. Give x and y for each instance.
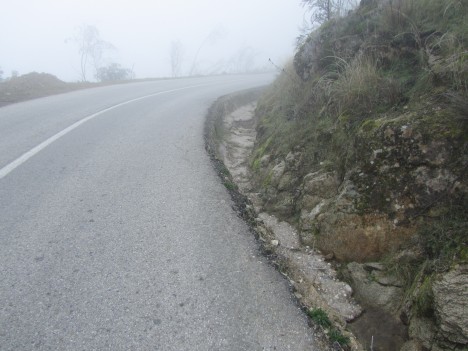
(222, 169)
(256, 165)
(320, 317)
(424, 300)
(336, 336)
(404, 270)
(444, 240)
(230, 185)
(267, 180)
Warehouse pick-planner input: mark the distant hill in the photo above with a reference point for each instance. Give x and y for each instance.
(34, 85)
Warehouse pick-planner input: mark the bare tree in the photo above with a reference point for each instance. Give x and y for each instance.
(214, 36)
(324, 10)
(244, 60)
(177, 56)
(91, 48)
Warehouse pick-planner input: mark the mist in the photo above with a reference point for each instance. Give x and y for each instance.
(212, 36)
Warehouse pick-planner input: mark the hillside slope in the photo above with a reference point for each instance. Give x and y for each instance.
(362, 145)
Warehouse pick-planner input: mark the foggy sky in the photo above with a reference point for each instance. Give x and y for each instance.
(34, 33)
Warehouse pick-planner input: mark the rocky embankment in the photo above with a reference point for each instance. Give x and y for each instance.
(231, 134)
(319, 281)
(359, 152)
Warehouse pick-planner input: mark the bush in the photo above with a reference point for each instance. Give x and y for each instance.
(113, 72)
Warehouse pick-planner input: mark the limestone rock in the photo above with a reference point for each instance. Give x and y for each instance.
(284, 182)
(277, 172)
(423, 330)
(411, 345)
(386, 280)
(370, 291)
(293, 160)
(265, 160)
(308, 202)
(324, 185)
(451, 301)
(283, 205)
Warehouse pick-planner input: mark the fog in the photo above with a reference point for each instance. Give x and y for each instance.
(214, 36)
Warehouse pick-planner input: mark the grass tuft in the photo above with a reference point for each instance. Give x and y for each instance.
(320, 317)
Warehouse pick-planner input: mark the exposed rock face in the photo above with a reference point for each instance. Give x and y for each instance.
(411, 345)
(400, 172)
(406, 168)
(374, 288)
(450, 295)
(367, 157)
(313, 278)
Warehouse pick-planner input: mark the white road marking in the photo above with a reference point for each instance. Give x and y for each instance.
(27, 155)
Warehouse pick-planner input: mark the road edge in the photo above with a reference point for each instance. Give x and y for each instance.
(213, 136)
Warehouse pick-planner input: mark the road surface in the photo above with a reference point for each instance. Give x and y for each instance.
(116, 234)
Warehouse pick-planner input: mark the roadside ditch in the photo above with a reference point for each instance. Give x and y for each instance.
(229, 138)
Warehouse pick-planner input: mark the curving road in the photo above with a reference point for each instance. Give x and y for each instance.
(116, 234)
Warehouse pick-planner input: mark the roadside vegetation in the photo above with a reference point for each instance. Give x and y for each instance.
(378, 100)
(34, 85)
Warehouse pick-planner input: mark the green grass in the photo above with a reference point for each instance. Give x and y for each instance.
(336, 336)
(320, 317)
(445, 240)
(230, 185)
(424, 301)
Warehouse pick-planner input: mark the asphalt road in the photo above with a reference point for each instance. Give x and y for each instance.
(116, 234)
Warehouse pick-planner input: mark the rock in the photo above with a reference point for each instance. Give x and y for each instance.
(423, 330)
(371, 292)
(373, 266)
(308, 202)
(282, 206)
(277, 172)
(274, 243)
(407, 257)
(264, 161)
(387, 280)
(451, 301)
(315, 211)
(347, 195)
(437, 180)
(293, 159)
(324, 185)
(411, 345)
(355, 237)
(329, 257)
(284, 182)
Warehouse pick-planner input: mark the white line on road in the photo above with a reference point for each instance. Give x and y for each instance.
(27, 155)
